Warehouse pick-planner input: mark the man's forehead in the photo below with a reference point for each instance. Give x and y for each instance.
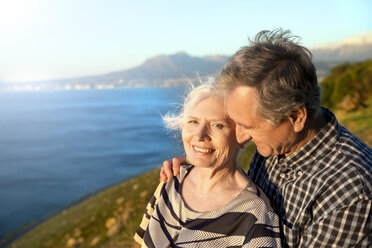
(243, 91)
(241, 96)
(240, 106)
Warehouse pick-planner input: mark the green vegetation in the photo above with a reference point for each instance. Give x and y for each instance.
(245, 156)
(348, 86)
(110, 218)
(358, 122)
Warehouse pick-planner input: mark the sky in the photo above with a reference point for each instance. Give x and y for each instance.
(57, 39)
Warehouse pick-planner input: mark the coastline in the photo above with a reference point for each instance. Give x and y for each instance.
(118, 196)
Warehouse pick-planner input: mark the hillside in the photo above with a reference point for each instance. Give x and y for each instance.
(348, 86)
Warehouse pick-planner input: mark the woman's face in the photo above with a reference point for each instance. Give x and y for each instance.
(208, 134)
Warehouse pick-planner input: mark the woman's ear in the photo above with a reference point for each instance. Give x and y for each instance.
(298, 118)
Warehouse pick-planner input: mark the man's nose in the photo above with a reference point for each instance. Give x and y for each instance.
(242, 136)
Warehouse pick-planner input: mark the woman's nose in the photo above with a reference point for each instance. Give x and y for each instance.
(202, 132)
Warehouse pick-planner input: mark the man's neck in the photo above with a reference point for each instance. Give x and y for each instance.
(311, 129)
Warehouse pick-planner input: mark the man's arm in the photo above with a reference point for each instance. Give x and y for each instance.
(349, 226)
(166, 171)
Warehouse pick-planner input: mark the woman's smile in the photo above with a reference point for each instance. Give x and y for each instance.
(202, 150)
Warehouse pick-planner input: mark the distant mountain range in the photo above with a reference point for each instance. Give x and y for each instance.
(352, 49)
(357, 48)
(177, 69)
(160, 71)
(167, 70)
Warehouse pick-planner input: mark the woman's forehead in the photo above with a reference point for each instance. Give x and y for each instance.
(211, 107)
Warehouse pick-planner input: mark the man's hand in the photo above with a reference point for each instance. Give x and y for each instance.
(166, 170)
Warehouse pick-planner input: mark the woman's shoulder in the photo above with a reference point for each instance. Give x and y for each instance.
(254, 200)
(173, 185)
(257, 192)
(184, 171)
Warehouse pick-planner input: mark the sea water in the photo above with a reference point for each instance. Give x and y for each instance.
(57, 146)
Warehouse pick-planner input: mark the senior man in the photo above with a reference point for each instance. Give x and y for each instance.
(315, 172)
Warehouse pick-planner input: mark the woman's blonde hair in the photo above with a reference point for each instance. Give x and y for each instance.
(194, 93)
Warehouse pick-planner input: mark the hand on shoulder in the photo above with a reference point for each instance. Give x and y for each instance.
(171, 168)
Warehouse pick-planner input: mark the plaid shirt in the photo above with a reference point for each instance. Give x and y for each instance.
(323, 191)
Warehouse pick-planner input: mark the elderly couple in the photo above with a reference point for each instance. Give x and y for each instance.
(308, 185)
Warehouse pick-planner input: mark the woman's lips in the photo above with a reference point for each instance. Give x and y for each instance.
(202, 150)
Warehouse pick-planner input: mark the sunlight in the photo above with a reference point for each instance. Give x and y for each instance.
(15, 15)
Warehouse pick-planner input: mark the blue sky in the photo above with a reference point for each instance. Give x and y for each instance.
(50, 39)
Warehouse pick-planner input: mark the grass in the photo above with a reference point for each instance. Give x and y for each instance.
(110, 218)
(86, 224)
(358, 122)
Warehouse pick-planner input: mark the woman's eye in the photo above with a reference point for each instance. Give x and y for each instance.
(220, 126)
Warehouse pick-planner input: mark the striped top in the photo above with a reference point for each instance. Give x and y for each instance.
(245, 221)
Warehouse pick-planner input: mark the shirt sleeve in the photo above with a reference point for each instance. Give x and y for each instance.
(349, 226)
(138, 236)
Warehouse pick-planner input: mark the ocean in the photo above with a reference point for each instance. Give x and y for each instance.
(59, 146)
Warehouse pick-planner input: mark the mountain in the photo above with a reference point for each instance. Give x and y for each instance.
(179, 68)
(163, 71)
(352, 49)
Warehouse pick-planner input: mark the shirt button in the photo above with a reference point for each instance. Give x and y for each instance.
(282, 175)
(300, 173)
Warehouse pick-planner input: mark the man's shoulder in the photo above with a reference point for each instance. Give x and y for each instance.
(352, 146)
(357, 156)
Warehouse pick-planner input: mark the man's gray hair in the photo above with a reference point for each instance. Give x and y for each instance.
(280, 70)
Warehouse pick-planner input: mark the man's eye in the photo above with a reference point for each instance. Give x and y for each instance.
(193, 122)
(220, 126)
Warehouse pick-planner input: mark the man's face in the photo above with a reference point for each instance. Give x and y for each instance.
(270, 140)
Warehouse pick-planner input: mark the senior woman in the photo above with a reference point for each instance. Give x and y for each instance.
(211, 203)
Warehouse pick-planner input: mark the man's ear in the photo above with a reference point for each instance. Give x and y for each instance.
(298, 118)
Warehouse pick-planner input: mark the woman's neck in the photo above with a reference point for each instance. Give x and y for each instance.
(207, 180)
(203, 189)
